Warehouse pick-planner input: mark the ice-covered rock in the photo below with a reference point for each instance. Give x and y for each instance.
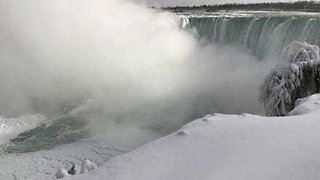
(73, 170)
(61, 173)
(93, 165)
(87, 166)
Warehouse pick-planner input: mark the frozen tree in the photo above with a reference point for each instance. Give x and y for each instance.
(298, 51)
(297, 79)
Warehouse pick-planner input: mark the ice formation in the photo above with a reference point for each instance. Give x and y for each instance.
(298, 51)
(87, 166)
(61, 173)
(287, 83)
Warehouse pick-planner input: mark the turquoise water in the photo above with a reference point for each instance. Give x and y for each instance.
(260, 35)
(63, 130)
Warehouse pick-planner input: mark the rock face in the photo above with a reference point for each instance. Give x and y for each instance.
(287, 83)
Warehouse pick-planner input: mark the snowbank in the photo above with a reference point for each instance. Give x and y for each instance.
(225, 147)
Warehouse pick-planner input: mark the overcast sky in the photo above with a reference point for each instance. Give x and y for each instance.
(198, 2)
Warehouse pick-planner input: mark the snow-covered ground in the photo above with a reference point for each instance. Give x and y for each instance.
(227, 147)
(11, 127)
(43, 164)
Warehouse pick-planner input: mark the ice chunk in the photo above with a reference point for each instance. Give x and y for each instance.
(93, 165)
(61, 173)
(87, 166)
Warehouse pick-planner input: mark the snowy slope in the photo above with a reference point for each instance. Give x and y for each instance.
(227, 147)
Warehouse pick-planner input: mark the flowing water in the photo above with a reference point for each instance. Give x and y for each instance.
(262, 34)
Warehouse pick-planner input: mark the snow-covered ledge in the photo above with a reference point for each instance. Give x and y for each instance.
(239, 147)
(227, 147)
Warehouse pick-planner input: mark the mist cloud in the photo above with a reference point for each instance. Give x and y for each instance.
(114, 61)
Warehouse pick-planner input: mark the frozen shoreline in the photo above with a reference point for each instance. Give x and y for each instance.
(228, 147)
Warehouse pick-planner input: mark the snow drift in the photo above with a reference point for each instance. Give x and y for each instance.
(227, 147)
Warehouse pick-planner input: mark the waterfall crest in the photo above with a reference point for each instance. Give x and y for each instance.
(261, 36)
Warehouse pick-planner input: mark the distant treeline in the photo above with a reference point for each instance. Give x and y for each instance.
(310, 6)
